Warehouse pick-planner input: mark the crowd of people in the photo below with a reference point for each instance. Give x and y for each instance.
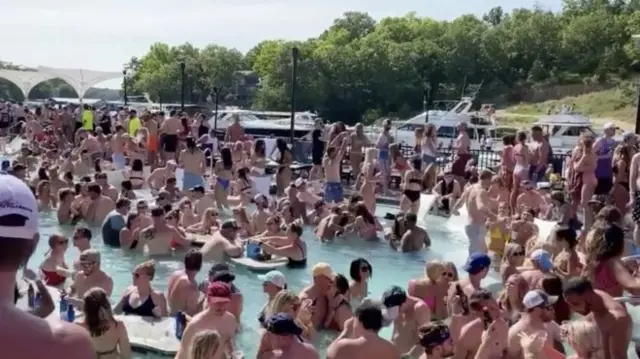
(67, 165)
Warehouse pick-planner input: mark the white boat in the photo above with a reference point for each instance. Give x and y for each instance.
(480, 125)
(263, 123)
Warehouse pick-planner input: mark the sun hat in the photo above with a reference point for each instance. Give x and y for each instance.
(16, 199)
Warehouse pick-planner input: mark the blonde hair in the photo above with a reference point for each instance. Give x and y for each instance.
(585, 336)
(149, 267)
(276, 305)
(433, 270)
(370, 155)
(205, 345)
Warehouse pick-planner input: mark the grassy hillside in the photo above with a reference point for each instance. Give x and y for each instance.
(617, 105)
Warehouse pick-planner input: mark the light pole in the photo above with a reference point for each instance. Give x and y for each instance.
(635, 67)
(294, 78)
(216, 94)
(124, 85)
(182, 66)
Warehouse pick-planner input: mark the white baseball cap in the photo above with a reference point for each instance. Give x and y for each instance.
(16, 198)
(537, 298)
(609, 126)
(274, 277)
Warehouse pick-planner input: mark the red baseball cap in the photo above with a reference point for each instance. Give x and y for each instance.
(219, 292)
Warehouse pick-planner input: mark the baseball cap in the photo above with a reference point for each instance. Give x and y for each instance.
(536, 298)
(322, 269)
(544, 185)
(274, 277)
(229, 224)
(17, 200)
(609, 126)
(628, 135)
(477, 262)
(219, 267)
(283, 324)
(219, 292)
(543, 258)
(393, 297)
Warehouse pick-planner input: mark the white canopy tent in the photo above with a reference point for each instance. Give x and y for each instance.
(26, 80)
(79, 79)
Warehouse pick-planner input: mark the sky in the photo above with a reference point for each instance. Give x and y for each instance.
(104, 36)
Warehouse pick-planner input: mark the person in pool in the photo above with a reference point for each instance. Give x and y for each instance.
(140, 298)
(90, 276)
(286, 338)
(22, 332)
(158, 237)
(414, 238)
(115, 222)
(295, 250)
(222, 243)
(407, 315)
(159, 176)
(215, 317)
(360, 271)
(182, 288)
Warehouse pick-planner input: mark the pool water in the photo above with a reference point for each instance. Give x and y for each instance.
(389, 268)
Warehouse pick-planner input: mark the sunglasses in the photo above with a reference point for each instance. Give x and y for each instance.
(87, 263)
(214, 214)
(62, 242)
(136, 275)
(364, 269)
(521, 253)
(447, 274)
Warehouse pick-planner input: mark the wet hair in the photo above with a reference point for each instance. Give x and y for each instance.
(259, 148)
(566, 234)
(95, 188)
(411, 217)
(362, 210)
(193, 260)
(431, 335)
(122, 202)
(84, 232)
(242, 173)
(342, 284)
(477, 297)
(282, 148)
(296, 228)
(227, 159)
(369, 314)
(98, 315)
(130, 218)
(137, 165)
(126, 185)
(577, 285)
(158, 212)
(354, 268)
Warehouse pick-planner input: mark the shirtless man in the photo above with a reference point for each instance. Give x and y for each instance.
(182, 287)
(286, 341)
(610, 316)
(201, 199)
(331, 163)
(97, 207)
(160, 237)
(223, 243)
(215, 317)
(435, 339)
(89, 277)
(540, 155)
(82, 165)
(530, 198)
(90, 144)
(260, 216)
(414, 239)
(323, 275)
(359, 338)
(478, 203)
(159, 176)
(193, 163)
(23, 334)
(169, 130)
(151, 124)
(477, 266)
(461, 151)
(481, 305)
(538, 316)
(331, 225)
(235, 131)
(541, 264)
(107, 189)
(118, 143)
(408, 314)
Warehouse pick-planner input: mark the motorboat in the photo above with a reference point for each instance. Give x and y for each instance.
(479, 125)
(255, 123)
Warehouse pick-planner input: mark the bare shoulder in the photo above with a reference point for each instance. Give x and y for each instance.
(72, 340)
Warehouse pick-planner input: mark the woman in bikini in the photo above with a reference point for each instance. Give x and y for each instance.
(431, 290)
(521, 157)
(371, 176)
(136, 174)
(223, 170)
(207, 223)
(364, 224)
(46, 200)
(358, 141)
(53, 268)
(412, 186)
(238, 155)
(585, 179)
(429, 145)
(244, 187)
(109, 335)
(360, 271)
(283, 177)
(129, 234)
(295, 250)
(141, 298)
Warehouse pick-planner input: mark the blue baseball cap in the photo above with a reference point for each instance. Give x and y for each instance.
(477, 262)
(283, 324)
(543, 259)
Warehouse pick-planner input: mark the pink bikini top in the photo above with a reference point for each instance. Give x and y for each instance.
(430, 301)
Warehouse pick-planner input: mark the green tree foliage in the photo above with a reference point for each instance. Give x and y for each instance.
(360, 68)
(48, 89)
